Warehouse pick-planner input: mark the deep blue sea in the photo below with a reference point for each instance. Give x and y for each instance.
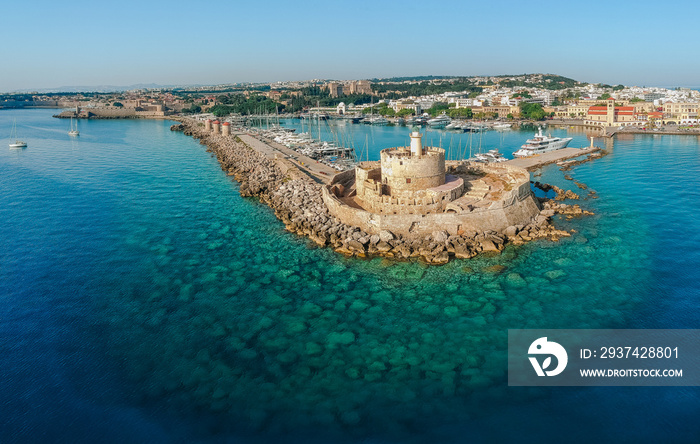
(143, 300)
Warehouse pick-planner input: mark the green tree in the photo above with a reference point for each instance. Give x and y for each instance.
(118, 104)
(193, 109)
(460, 113)
(405, 112)
(604, 96)
(438, 108)
(532, 111)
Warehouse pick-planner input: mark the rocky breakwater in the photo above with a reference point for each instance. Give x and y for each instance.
(298, 203)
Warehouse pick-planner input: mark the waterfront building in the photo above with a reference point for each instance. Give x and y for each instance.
(461, 102)
(502, 110)
(681, 113)
(612, 115)
(411, 104)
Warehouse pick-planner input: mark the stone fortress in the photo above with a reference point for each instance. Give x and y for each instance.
(413, 191)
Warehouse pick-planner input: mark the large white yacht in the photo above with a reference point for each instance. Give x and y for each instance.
(542, 144)
(378, 120)
(440, 121)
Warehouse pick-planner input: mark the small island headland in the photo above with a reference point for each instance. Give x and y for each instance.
(444, 210)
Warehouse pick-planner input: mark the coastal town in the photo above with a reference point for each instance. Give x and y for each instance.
(535, 97)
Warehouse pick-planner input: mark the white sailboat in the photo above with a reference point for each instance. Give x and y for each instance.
(73, 131)
(13, 135)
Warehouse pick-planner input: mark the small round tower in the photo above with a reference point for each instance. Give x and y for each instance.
(226, 129)
(216, 127)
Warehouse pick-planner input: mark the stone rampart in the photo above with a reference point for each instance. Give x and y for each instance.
(518, 211)
(515, 206)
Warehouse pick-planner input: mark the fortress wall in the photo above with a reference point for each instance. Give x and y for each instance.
(411, 202)
(110, 112)
(393, 205)
(516, 207)
(150, 113)
(360, 178)
(117, 112)
(518, 211)
(344, 177)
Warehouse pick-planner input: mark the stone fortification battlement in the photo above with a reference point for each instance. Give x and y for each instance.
(476, 197)
(405, 151)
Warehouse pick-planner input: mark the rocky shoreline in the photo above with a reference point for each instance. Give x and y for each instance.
(297, 202)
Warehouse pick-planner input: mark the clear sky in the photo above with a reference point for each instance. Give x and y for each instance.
(48, 44)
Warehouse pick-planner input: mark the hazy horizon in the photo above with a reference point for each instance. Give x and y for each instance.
(181, 43)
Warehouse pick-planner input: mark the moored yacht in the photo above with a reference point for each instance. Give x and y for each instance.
(440, 121)
(378, 120)
(490, 157)
(542, 144)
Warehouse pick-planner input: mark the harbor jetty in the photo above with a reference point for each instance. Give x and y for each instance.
(296, 194)
(556, 156)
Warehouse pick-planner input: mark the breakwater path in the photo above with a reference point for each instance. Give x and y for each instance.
(540, 160)
(272, 150)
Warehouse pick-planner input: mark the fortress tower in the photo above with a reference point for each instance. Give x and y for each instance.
(408, 179)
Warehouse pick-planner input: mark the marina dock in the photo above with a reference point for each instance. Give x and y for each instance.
(540, 160)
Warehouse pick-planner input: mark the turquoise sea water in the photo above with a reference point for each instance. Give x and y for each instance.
(143, 300)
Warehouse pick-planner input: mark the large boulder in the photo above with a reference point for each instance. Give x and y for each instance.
(440, 236)
(511, 231)
(354, 245)
(386, 236)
